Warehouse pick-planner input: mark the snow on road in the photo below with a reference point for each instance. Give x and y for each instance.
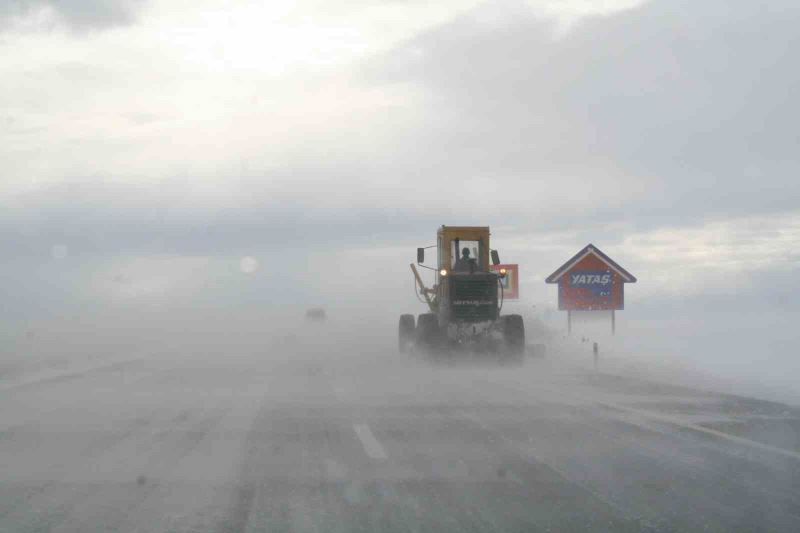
(308, 439)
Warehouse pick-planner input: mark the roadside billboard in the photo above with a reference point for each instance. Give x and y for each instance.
(510, 281)
(590, 290)
(591, 281)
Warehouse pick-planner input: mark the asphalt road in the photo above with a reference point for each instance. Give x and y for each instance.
(315, 438)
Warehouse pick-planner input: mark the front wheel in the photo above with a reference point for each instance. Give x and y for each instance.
(405, 333)
(428, 331)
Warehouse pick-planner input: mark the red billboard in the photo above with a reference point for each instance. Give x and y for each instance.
(510, 281)
(591, 281)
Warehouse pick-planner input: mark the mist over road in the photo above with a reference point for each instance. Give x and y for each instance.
(318, 435)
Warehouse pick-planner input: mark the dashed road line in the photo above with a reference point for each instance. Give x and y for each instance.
(369, 442)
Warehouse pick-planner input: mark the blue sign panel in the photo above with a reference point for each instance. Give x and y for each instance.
(599, 282)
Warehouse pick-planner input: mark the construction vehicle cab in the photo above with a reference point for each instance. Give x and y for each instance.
(465, 301)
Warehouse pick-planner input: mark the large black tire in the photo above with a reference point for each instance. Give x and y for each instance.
(514, 336)
(428, 331)
(405, 333)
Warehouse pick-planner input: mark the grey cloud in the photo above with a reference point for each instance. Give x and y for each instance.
(691, 101)
(79, 15)
(774, 291)
(92, 221)
(93, 218)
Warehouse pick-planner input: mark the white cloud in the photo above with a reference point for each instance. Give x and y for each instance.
(197, 89)
(722, 255)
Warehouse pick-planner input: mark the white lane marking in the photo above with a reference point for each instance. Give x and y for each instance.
(369, 442)
(702, 429)
(673, 421)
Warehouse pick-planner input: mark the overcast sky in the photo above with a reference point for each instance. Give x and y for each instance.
(148, 146)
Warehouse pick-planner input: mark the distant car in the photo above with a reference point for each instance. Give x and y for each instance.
(316, 314)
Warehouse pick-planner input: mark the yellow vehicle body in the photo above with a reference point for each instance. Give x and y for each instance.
(448, 234)
(465, 301)
(446, 237)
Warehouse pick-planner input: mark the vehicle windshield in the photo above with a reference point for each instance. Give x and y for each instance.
(465, 255)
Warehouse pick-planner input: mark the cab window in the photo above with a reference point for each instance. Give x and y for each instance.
(463, 253)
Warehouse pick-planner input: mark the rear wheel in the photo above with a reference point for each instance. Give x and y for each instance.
(514, 334)
(405, 333)
(427, 331)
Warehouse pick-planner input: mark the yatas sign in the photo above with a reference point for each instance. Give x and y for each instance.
(591, 281)
(597, 281)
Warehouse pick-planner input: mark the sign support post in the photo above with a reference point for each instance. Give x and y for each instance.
(569, 322)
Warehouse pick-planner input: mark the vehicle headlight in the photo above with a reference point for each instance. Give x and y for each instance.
(443, 272)
(502, 272)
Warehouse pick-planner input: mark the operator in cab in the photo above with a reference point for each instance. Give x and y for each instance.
(464, 263)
